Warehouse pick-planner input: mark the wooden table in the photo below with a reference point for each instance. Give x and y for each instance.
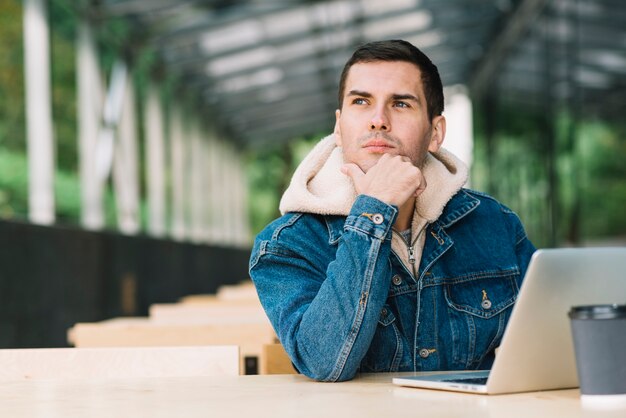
(274, 396)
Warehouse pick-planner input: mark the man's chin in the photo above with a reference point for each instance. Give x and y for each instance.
(366, 165)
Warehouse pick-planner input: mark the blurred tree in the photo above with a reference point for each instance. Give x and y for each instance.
(602, 152)
(269, 171)
(590, 174)
(12, 123)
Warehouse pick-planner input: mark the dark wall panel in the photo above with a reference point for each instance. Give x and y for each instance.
(53, 277)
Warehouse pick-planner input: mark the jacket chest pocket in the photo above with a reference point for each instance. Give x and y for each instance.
(478, 311)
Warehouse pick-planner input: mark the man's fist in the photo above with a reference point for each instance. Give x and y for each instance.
(393, 179)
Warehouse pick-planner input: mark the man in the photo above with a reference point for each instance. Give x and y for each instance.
(382, 261)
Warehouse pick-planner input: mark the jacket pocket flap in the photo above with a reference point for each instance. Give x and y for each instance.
(484, 297)
(386, 316)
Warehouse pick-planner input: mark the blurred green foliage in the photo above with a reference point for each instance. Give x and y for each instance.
(12, 122)
(589, 189)
(269, 170)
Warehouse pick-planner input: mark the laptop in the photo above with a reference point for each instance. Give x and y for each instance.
(536, 352)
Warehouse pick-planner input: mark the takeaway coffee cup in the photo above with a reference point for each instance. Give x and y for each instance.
(599, 333)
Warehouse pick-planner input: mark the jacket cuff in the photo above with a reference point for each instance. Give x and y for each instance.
(371, 216)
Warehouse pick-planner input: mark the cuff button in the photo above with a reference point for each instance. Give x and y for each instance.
(377, 218)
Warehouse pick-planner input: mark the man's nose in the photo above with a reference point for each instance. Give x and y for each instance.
(379, 121)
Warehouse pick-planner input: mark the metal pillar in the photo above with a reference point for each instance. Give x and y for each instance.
(177, 153)
(90, 98)
(242, 226)
(196, 174)
(231, 198)
(125, 167)
(40, 141)
(459, 133)
(155, 162)
(206, 186)
(212, 188)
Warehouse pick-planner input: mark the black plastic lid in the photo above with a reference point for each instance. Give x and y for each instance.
(598, 312)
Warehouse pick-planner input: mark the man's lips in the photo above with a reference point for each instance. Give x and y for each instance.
(377, 145)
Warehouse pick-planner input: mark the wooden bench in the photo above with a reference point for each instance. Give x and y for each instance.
(274, 360)
(241, 291)
(134, 332)
(244, 291)
(233, 316)
(213, 312)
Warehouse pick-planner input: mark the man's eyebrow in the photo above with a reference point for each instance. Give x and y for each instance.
(359, 93)
(405, 97)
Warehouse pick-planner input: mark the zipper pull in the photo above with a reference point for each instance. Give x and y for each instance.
(411, 255)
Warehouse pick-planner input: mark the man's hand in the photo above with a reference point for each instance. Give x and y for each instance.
(393, 179)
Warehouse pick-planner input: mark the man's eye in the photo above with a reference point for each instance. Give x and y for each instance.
(359, 101)
(401, 104)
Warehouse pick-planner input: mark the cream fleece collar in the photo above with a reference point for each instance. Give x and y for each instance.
(318, 186)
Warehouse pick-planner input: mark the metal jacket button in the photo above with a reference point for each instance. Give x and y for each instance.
(377, 218)
(397, 280)
(424, 353)
(486, 303)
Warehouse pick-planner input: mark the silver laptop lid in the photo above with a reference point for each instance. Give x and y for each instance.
(537, 350)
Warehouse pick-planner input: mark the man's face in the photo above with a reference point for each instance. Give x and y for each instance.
(384, 111)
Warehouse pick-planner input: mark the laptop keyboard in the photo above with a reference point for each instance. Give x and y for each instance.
(469, 380)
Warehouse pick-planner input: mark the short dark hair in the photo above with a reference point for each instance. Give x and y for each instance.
(399, 50)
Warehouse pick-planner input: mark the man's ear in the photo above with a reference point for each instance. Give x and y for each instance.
(337, 129)
(438, 133)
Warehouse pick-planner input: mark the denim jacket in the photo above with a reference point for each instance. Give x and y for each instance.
(341, 301)
(345, 293)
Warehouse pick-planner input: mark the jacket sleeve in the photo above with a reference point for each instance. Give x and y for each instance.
(524, 248)
(325, 303)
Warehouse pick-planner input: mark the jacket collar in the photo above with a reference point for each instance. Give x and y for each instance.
(457, 208)
(319, 187)
(460, 205)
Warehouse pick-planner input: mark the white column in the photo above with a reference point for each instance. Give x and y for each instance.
(177, 161)
(458, 112)
(90, 100)
(241, 201)
(196, 195)
(206, 187)
(225, 194)
(231, 195)
(125, 167)
(40, 141)
(212, 188)
(235, 202)
(155, 162)
(221, 193)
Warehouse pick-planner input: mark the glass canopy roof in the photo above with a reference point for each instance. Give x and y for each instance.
(268, 70)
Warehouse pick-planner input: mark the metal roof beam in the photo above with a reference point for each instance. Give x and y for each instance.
(456, 25)
(512, 31)
(135, 7)
(311, 126)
